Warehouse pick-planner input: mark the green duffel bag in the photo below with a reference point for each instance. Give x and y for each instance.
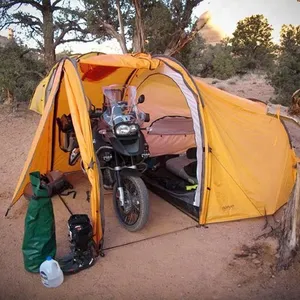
(39, 235)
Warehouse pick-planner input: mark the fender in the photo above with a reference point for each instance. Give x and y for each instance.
(130, 172)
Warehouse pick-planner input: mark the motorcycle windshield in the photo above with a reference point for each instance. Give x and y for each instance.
(120, 104)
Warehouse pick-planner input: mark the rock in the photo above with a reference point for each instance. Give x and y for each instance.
(272, 245)
(260, 269)
(239, 285)
(277, 255)
(254, 255)
(256, 261)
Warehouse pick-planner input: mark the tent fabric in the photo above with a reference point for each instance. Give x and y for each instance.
(43, 159)
(39, 156)
(252, 163)
(245, 163)
(38, 100)
(81, 122)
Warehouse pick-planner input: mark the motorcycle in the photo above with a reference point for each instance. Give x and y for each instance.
(121, 151)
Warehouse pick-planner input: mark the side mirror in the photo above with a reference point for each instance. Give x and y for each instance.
(141, 99)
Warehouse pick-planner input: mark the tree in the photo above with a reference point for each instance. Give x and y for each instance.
(192, 56)
(209, 61)
(252, 43)
(156, 26)
(185, 29)
(108, 19)
(286, 77)
(20, 72)
(51, 23)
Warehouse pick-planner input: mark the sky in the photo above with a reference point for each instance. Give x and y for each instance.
(225, 14)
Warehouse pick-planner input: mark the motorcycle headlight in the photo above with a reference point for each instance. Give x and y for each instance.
(134, 128)
(122, 129)
(125, 129)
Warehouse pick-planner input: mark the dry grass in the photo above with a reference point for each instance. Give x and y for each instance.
(252, 85)
(232, 81)
(222, 87)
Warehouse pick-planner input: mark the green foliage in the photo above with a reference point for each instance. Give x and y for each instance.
(167, 23)
(48, 23)
(191, 55)
(159, 27)
(286, 77)
(224, 66)
(252, 43)
(20, 72)
(102, 17)
(164, 22)
(209, 61)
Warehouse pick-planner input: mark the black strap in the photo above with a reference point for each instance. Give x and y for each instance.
(69, 193)
(65, 204)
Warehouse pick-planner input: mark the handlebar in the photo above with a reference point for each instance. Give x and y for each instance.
(96, 113)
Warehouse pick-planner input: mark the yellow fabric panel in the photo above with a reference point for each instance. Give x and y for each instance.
(37, 101)
(81, 122)
(227, 201)
(252, 161)
(141, 61)
(161, 91)
(39, 156)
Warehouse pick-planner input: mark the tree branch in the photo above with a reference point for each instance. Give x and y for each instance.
(31, 72)
(55, 2)
(77, 40)
(122, 33)
(177, 43)
(29, 50)
(66, 28)
(140, 36)
(61, 36)
(11, 4)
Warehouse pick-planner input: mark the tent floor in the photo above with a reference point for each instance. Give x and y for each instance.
(164, 218)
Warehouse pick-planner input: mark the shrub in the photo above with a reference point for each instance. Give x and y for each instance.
(20, 72)
(218, 62)
(209, 61)
(285, 78)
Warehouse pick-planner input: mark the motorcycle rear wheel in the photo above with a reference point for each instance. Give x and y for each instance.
(135, 212)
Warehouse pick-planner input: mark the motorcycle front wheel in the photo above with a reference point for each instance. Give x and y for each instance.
(135, 212)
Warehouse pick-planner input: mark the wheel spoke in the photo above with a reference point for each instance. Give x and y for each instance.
(131, 202)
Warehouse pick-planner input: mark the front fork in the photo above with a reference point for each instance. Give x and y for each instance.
(119, 182)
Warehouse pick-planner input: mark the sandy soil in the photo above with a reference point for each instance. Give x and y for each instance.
(171, 259)
(249, 86)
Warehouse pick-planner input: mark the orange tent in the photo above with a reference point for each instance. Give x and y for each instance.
(245, 162)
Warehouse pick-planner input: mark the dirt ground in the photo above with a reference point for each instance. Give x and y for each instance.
(171, 259)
